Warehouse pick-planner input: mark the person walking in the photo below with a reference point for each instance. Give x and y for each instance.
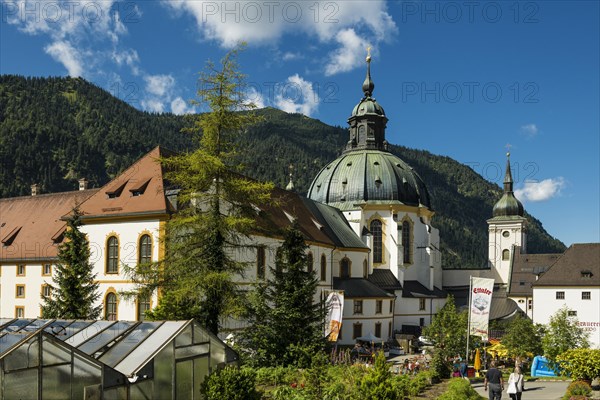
(493, 379)
(516, 384)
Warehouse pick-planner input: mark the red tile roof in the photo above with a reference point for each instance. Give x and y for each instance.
(137, 190)
(31, 226)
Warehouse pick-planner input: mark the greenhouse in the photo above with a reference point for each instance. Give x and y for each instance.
(58, 359)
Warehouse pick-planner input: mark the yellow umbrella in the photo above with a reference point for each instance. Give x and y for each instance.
(477, 363)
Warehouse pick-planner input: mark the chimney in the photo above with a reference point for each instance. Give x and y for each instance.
(83, 183)
(34, 189)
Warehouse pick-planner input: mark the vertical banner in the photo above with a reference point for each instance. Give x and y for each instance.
(481, 302)
(335, 310)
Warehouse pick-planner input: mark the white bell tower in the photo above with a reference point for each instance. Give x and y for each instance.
(507, 230)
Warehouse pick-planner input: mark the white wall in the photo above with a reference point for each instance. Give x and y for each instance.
(32, 280)
(545, 305)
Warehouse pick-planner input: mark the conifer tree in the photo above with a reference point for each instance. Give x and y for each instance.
(74, 291)
(286, 324)
(196, 278)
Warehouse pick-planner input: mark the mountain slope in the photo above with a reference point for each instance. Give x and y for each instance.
(56, 130)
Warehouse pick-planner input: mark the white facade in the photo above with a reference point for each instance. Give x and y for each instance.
(548, 300)
(504, 236)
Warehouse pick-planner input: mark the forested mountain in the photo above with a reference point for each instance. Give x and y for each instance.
(54, 131)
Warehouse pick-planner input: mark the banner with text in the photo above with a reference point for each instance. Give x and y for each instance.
(481, 302)
(335, 310)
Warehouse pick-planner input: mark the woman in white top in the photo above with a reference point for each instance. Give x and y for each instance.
(516, 381)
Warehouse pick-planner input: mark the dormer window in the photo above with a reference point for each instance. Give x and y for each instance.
(112, 194)
(138, 191)
(586, 274)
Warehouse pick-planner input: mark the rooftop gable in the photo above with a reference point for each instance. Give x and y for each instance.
(578, 266)
(137, 190)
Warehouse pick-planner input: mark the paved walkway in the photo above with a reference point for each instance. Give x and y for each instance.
(537, 390)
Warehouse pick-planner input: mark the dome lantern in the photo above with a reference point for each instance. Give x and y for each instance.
(508, 205)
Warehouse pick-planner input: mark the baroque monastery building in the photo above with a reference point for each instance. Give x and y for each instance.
(367, 222)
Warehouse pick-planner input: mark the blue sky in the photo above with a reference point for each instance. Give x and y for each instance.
(461, 79)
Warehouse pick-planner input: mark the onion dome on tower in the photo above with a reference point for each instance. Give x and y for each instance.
(366, 171)
(508, 205)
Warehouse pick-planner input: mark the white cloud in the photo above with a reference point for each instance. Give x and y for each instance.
(153, 105)
(297, 96)
(159, 85)
(349, 55)
(76, 31)
(68, 56)
(540, 191)
(289, 56)
(530, 130)
(128, 57)
(254, 96)
(180, 107)
(261, 23)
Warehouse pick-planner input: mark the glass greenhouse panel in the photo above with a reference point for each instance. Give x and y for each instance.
(26, 355)
(56, 382)
(8, 340)
(53, 354)
(88, 333)
(85, 374)
(119, 351)
(21, 384)
(185, 337)
(109, 334)
(183, 380)
(140, 355)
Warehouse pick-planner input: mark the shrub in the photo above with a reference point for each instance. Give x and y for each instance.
(273, 376)
(419, 383)
(578, 388)
(230, 383)
(375, 384)
(583, 364)
(440, 369)
(460, 389)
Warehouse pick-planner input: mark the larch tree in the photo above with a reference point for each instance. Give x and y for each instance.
(74, 291)
(196, 278)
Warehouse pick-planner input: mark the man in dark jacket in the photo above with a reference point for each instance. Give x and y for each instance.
(493, 379)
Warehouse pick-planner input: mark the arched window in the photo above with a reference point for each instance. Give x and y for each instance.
(345, 268)
(505, 255)
(110, 307)
(309, 262)
(323, 268)
(377, 241)
(112, 255)
(143, 304)
(145, 249)
(260, 262)
(406, 241)
(365, 269)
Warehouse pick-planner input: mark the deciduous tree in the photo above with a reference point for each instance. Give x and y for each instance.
(522, 338)
(562, 334)
(197, 276)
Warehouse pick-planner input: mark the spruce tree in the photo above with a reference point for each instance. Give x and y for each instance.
(74, 291)
(196, 279)
(286, 324)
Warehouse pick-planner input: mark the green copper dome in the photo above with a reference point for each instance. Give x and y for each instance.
(508, 205)
(366, 171)
(371, 176)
